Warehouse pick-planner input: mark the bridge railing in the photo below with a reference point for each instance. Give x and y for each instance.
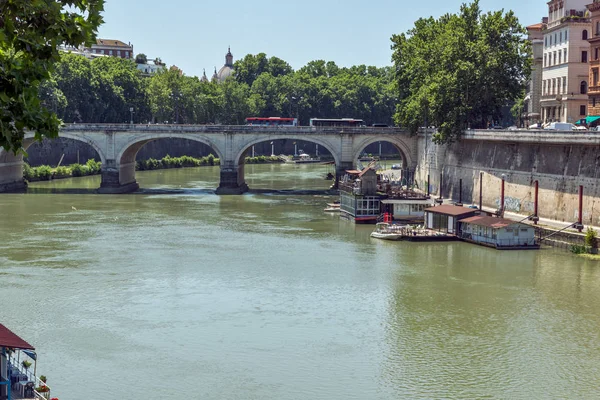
(238, 129)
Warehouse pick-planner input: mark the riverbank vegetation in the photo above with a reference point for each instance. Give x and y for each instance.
(92, 167)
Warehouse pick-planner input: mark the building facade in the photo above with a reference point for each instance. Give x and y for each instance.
(114, 48)
(594, 40)
(565, 62)
(532, 108)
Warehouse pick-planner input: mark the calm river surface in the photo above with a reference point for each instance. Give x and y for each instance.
(190, 295)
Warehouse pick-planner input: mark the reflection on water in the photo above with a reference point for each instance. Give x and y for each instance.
(176, 291)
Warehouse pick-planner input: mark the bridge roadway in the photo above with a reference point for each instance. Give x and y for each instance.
(118, 144)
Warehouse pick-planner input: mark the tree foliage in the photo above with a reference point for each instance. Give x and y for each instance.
(458, 71)
(30, 34)
(103, 90)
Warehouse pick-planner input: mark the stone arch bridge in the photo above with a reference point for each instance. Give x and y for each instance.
(117, 146)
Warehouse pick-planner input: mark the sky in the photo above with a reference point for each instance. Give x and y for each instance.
(194, 35)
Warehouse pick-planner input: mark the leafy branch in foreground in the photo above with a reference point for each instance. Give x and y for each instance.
(30, 34)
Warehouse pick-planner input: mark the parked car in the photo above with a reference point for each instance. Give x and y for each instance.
(559, 126)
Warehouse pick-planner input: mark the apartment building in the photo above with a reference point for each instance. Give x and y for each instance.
(565, 71)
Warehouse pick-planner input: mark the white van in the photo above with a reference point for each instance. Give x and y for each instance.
(559, 126)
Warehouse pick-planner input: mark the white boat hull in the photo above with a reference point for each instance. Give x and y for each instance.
(386, 236)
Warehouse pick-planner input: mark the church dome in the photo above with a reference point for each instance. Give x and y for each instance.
(227, 70)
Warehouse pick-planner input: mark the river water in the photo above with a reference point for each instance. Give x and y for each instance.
(178, 293)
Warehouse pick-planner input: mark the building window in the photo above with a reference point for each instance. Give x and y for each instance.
(560, 36)
(545, 60)
(119, 53)
(126, 54)
(564, 84)
(566, 35)
(544, 88)
(583, 87)
(584, 34)
(546, 41)
(560, 57)
(110, 53)
(554, 61)
(595, 77)
(593, 102)
(565, 55)
(584, 57)
(553, 86)
(582, 110)
(101, 51)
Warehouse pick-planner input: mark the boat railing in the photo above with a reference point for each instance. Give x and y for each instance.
(31, 377)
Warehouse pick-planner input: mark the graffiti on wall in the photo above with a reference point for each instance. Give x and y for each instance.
(510, 204)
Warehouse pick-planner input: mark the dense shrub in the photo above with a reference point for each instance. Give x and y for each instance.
(44, 172)
(28, 172)
(77, 170)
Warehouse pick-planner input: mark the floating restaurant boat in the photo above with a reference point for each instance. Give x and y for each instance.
(17, 381)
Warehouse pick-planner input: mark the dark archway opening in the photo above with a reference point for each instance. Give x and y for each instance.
(50, 163)
(63, 151)
(288, 164)
(388, 160)
(175, 163)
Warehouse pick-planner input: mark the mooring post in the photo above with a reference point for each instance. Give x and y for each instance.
(440, 199)
(536, 204)
(580, 219)
(480, 190)
(502, 197)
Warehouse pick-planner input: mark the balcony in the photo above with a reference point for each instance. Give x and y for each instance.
(594, 90)
(594, 63)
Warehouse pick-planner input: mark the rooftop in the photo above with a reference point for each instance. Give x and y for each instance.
(10, 339)
(111, 42)
(491, 222)
(447, 209)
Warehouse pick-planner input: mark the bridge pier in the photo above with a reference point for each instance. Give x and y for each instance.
(117, 180)
(232, 181)
(11, 172)
(340, 171)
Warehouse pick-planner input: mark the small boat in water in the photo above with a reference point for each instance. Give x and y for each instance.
(386, 231)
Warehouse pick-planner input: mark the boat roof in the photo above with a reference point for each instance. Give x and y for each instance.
(447, 209)
(10, 339)
(353, 171)
(492, 222)
(407, 201)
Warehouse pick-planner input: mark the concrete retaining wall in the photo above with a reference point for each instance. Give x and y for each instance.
(559, 167)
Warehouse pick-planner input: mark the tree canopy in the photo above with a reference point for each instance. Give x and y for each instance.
(459, 71)
(30, 34)
(103, 89)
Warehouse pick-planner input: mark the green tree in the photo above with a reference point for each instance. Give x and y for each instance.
(30, 33)
(458, 71)
(141, 59)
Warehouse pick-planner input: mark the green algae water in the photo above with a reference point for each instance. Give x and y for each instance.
(175, 293)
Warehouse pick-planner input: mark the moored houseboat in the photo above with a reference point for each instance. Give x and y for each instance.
(499, 233)
(359, 200)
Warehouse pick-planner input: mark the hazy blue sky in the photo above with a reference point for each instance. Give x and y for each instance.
(195, 34)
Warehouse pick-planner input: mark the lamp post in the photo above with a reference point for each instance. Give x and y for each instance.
(317, 150)
(297, 101)
(252, 151)
(131, 112)
(295, 150)
(272, 150)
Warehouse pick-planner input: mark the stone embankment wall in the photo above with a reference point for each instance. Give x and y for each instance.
(559, 163)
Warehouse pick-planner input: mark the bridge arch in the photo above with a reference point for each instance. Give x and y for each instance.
(308, 138)
(403, 148)
(11, 165)
(120, 173)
